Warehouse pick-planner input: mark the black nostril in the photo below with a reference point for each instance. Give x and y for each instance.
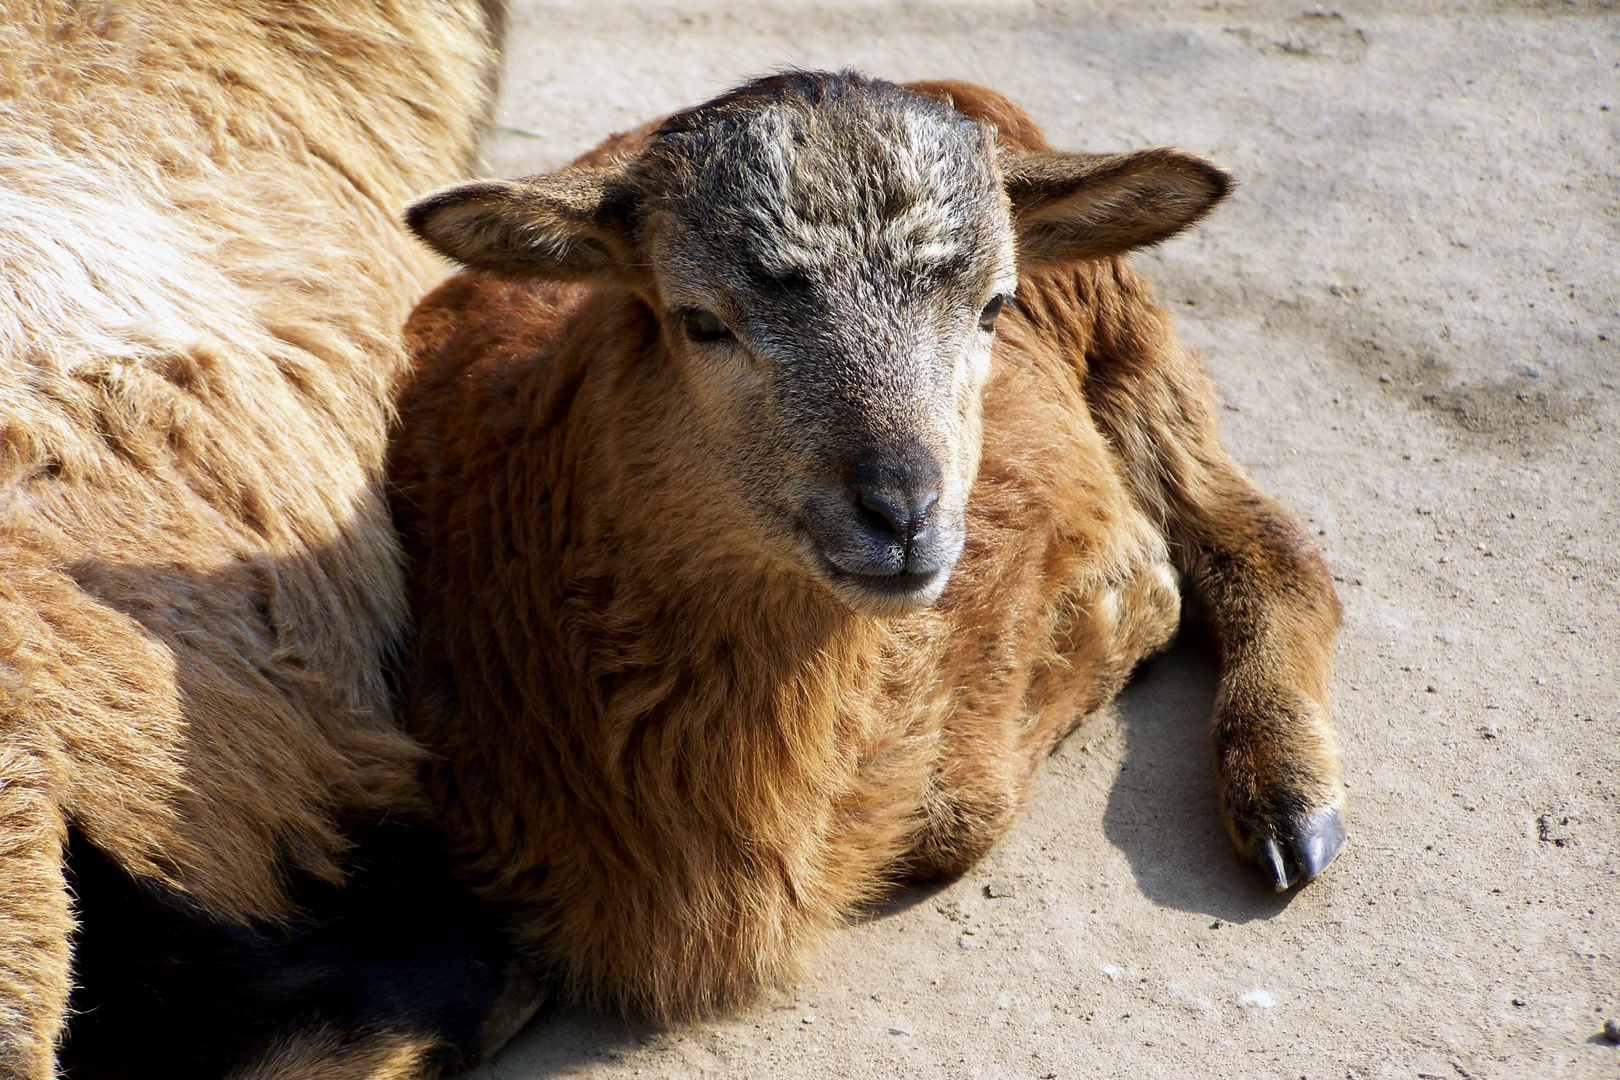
(903, 517)
(882, 515)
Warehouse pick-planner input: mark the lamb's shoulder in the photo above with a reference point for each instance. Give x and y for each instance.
(1062, 558)
(1052, 490)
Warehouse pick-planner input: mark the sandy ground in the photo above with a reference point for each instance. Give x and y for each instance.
(1412, 310)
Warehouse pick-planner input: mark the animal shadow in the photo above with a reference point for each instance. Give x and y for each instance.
(1161, 810)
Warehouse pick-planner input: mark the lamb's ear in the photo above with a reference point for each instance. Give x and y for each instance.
(1082, 206)
(568, 224)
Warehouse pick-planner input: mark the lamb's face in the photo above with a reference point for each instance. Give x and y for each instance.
(827, 254)
(829, 276)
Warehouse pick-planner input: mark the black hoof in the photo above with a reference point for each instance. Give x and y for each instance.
(1301, 848)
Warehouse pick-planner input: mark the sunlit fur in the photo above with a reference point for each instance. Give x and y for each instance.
(204, 278)
(678, 759)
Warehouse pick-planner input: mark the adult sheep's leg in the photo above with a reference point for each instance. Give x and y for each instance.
(1252, 569)
(320, 1053)
(35, 919)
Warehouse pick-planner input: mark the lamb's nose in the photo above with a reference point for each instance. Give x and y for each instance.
(896, 490)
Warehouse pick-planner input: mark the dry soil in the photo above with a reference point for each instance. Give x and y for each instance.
(1411, 308)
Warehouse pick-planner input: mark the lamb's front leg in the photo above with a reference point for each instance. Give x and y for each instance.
(1251, 568)
(1268, 596)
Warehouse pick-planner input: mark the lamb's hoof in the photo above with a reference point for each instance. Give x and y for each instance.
(1301, 848)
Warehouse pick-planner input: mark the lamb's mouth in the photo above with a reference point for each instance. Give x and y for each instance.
(884, 594)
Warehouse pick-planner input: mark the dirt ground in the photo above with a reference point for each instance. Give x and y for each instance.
(1411, 307)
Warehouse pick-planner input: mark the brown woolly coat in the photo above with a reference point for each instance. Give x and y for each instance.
(676, 769)
(204, 278)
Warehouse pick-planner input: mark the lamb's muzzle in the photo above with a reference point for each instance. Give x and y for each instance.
(882, 538)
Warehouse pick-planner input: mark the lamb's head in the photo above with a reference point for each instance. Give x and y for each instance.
(827, 256)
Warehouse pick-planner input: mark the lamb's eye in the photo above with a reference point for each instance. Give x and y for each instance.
(701, 325)
(987, 317)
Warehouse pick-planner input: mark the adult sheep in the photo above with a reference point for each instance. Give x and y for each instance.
(199, 582)
(785, 482)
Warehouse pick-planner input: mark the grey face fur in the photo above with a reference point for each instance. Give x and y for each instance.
(827, 254)
(848, 237)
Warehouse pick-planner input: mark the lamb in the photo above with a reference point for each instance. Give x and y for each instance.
(781, 484)
(199, 581)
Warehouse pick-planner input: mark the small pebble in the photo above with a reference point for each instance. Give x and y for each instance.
(998, 890)
(809, 1020)
(1611, 1029)
(897, 1031)
(1255, 999)
(1489, 731)
(1383, 378)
